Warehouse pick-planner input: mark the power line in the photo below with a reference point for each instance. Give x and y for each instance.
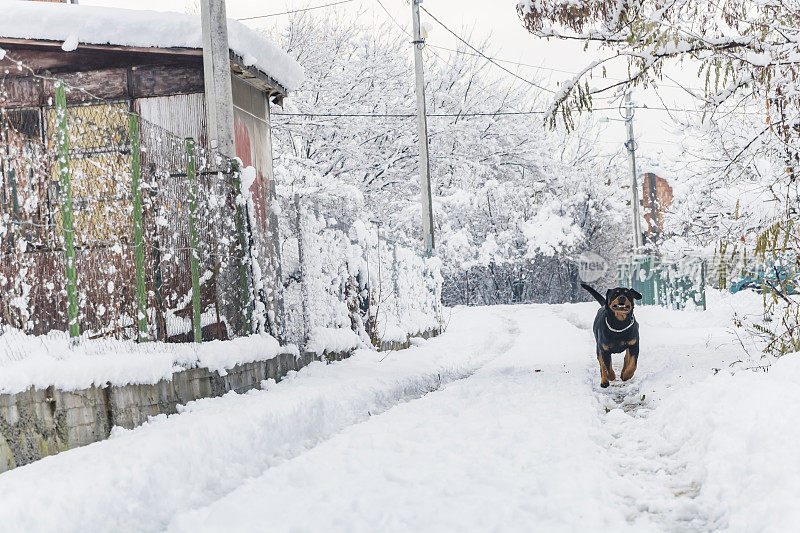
(490, 114)
(701, 111)
(495, 60)
(406, 115)
(487, 58)
(296, 10)
(509, 61)
(410, 115)
(539, 67)
(431, 47)
(402, 28)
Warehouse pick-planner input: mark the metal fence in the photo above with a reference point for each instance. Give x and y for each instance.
(346, 274)
(113, 227)
(677, 283)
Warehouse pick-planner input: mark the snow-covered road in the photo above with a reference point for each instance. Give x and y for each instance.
(498, 425)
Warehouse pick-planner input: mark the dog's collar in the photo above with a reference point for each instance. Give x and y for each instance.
(633, 320)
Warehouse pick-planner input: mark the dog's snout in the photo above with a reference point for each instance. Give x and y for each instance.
(621, 303)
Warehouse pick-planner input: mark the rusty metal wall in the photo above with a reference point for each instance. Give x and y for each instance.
(254, 148)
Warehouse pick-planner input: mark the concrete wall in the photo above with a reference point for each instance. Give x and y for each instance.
(37, 423)
(388, 346)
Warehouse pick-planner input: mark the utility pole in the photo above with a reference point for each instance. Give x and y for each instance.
(631, 146)
(422, 127)
(217, 77)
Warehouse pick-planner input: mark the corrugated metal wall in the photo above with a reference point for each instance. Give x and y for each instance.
(183, 115)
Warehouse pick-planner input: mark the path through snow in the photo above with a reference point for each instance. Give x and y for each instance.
(498, 425)
(530, 440)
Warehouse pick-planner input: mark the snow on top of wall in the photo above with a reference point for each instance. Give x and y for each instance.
(47, 360)
(76, 24)
(332, 340)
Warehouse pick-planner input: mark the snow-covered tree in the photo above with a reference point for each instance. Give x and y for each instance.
(513, 201)
(741, 186)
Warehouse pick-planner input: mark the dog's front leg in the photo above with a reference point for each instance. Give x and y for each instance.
(605, 363)
(612, 376)
(631, 358)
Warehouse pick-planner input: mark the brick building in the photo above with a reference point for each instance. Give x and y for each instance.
(656, 199)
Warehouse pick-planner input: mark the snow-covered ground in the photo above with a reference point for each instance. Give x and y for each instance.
(499, 424)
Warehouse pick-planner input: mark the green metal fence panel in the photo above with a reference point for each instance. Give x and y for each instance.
(670, 283)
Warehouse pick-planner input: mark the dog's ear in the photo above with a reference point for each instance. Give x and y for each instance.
(635, 293)
(608, 296)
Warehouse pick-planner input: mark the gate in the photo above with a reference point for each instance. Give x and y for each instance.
(678, 283)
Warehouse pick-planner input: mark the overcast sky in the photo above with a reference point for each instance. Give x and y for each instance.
(551, 62)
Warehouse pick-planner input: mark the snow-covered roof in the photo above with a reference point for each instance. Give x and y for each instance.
(76, 24)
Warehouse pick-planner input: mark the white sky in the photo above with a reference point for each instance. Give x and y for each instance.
(508, 40)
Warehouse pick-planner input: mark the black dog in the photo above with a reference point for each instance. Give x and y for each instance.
(616, 330)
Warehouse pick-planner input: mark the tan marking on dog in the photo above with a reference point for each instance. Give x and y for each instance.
(632, 342)
(603, 370)
(629, 366)
(621, 316)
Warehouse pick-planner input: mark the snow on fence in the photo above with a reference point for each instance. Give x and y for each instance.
(347, 285)
(677, 282)
(114, 228)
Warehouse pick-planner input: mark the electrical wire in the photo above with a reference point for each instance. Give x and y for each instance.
(296, 10)
(477, 53)
(487, 58)
(490, 114)
(389, 14)
(429, 46)
(549, 69)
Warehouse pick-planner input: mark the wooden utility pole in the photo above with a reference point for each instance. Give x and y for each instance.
(422, 127)
(631, 146)
(217, 77)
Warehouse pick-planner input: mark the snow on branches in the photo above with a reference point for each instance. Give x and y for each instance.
(739, 190)
(749, 46)
(495, 167)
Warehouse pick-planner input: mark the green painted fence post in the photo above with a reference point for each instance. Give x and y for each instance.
(703, 284)
(138, 233)
(193, 257)
(66, 211)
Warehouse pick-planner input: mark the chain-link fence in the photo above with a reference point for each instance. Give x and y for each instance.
(113, 227)
(348, 277)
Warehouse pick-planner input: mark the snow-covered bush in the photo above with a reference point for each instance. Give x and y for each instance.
(345, 283)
